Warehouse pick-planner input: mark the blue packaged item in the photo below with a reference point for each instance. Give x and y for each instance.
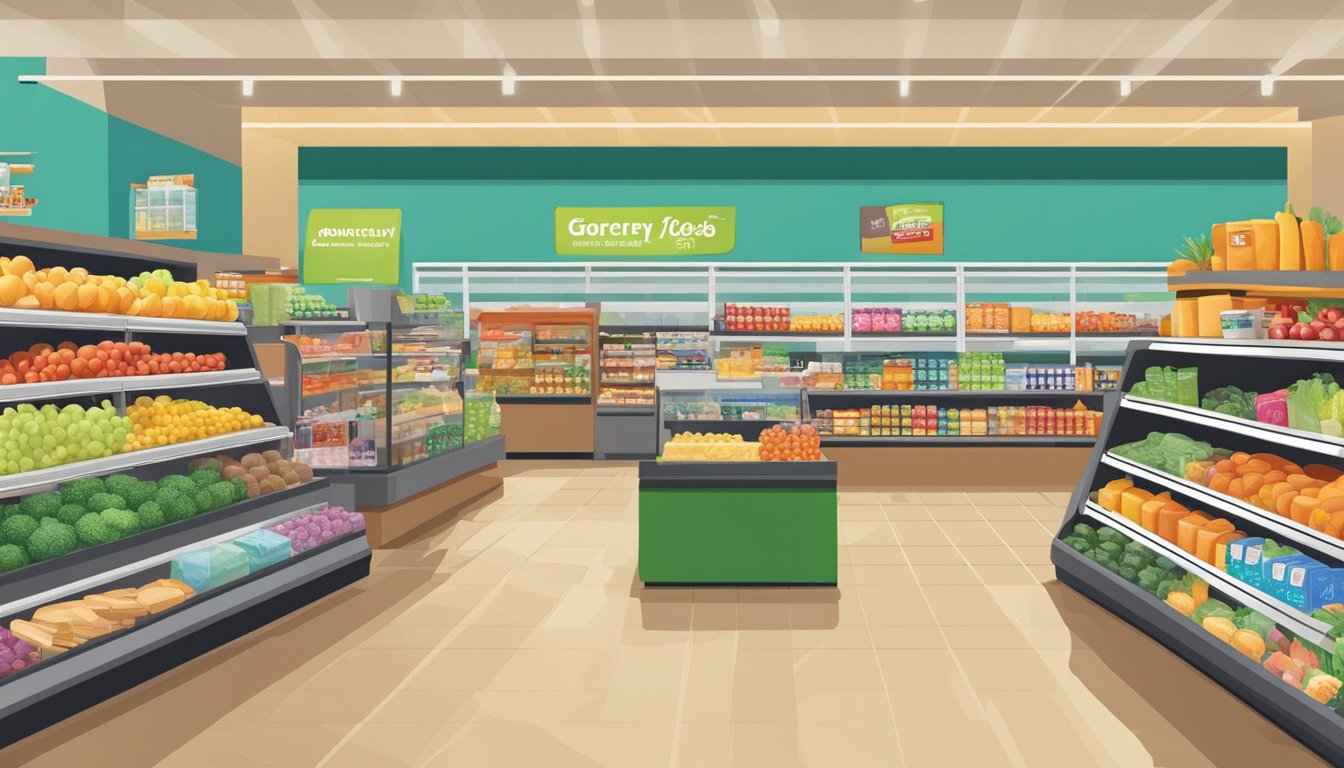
(1276, 574)
(193, 569)
(264, 548)
(1239, 552)
(1311, 585)
(210, 567)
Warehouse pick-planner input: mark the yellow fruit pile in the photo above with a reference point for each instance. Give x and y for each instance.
(75, 290)
(164, 421)
(706, 438)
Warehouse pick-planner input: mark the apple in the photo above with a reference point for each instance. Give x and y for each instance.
(1318, 324)
(1296, 331)
(1329, 333)
(1308, 333)
(1333, 314)
(1278, 332)
(1320, 314)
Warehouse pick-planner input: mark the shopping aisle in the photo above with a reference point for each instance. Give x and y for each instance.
(519, 635)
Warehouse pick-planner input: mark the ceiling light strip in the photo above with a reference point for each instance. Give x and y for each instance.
(684, 78)
(286, 125)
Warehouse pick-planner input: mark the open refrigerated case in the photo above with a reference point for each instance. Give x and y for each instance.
(538, 363)
(123, 575)
(1209, 518)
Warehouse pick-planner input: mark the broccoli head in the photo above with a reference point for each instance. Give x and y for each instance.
(120, 522)
(51, 540)
(204, 476)
(70, 513)
(120, 484)
(222, 494)
(178, 483)
(41, 505)
(9, 510)
(100, 501)
(138, 494)
(17, 529)
(150, 515)
(79, 491)
(12, 557)
(203, 500)
(175, 504)
(239, 488)
(92, 531)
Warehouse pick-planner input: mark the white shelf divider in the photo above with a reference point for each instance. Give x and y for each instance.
(55, 390)
(1294, 438)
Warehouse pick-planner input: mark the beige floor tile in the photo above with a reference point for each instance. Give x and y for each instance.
(882, 574)
(877, 533)
(606, 512)
(946, 574)
(556, 669)
(832, 707)
(850, 745)
(944, 498)
(895, 606)
(855, 636)
(509, 744)
(766, 744)
(827, 669)
(622, 706)
(906, 512)
(1043, 573)
(970, 533)
(897, 497)
(406, 636)
(412, 705)
(939, 744)
(1021, 532)
(965, 605)
(705, 745)
(586, 483)
(538, 706)
(612, 496)
(992, 555)
(489, 637)
(851, 512)
(515, 607)
(992, 498)
(572, 498)
(366, 669)
(1006, 669)
(913, 533)
(934, 555)
(776, 706)
(956, 512)
(391, 744)
(310, 705)
(269, 744)
(652, 668)
(920, 669)
(908, 636)
(889, 555)
(460, 669)
(1005, 574)
(762, 615)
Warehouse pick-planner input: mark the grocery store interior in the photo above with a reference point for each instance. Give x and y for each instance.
(633, 383)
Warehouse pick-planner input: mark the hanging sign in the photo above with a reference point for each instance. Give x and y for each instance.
(353, 245)
(659, 231)
(906, 228)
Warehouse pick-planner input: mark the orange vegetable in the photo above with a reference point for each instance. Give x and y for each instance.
(1300, 508)
(1236, 488)
(1275, 476)
(1313, 245)
(1208, 535)
(1199, 591)
(1322, 472)
(1336, 248)
(1240, 457)
(1283, 501)
(1148, 513)
(1226, 465)
(1252, 465)
(1335, 525)
(1250, 643)
(1252, 482)
(1221, 481)
(1301, 481)
(1168, 519)
(1319, 519)
(1186, 530)
(1220, 548)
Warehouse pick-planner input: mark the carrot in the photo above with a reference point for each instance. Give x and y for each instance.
(1300, 481)
(1318, 519)
(1252, 465)
(1313, 245)
(1301, 508)
(1336, 523)
(1336, 248)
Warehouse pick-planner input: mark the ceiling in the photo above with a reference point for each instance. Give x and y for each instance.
(994, 40)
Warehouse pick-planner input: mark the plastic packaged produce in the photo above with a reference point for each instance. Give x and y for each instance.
(1167, 451)
(264, 549)
(1231, 401)
(210, 567)
(16, 654)
(309, 531)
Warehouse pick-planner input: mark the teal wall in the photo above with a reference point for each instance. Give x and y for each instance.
(801, 204)
(87, 159)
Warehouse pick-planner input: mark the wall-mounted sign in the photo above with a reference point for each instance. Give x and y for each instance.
(13, 197)
(906, 228)
(352, 245)
(682, 231)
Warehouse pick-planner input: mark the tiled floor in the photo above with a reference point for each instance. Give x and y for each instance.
(519, 635)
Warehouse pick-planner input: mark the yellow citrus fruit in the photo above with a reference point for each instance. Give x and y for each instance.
(193, 307)
(88, 297)
(45, 294)
(11, 290)
(156, 286)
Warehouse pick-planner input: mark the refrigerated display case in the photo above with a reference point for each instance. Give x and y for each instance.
(626, 365)
(539, 365)
(1224, 458)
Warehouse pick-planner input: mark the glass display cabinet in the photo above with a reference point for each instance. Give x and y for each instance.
(745, 412)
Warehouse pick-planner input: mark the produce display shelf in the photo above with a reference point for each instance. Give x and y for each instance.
(383, 486)
(40, 583)
(1282, 526)
(1010, 335)
(630, 409)
(1261, 282)
(1315, 725)
(619, 383)
(397, 384)
(1293, 619)
(306, 359)
(333, 323)
(1019, 441)
(775, 336)
(668, 423)
(918, 393)
(1268, 348)
(55, 390)
(24, 481)
(630, 330)
(1294, 438)
(98, 321)
(56, 689)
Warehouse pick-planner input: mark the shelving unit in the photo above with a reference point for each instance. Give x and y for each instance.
(1254, 366)
(105, 666)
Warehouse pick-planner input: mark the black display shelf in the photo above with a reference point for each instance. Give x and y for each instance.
(632, 330)
(1017, 441)
(780, 334)
(1256, 281)
(904, 335)
(737, 474)
(1006, 394)
(85, 676)
(383, 486)
(1010, 336)
(52, 574)
(1252, 365)
(616, 409)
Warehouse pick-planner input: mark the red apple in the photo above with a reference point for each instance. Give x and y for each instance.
(1308, 333)
(1333, 314)
(1318, 324)
(1296, 331)
(1278, 332)
(1329, 333)
(1320, 314)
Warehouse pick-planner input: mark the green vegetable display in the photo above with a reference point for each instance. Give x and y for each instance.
(17, 529)
(1231, 401)
(12, 557)
(101, 501)
(52, 539)
(1166, 451)
(1212, 607)
(80, 491)
(120, 522)
(91, 531)
(41, 505)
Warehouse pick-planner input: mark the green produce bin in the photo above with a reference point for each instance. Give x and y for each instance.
(747, 523)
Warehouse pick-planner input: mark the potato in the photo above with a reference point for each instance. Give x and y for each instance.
(260, 472)
(304, 471)
(274, 467)
(249, 478)
(271, 455)
(253, 460)
(253, 491)
(291, 477)
(232, 471)
(276, 482)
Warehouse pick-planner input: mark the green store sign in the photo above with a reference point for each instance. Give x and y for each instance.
(682, 231)
(353, 245)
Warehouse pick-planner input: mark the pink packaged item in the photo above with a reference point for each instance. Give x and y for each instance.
(861, 321)
(1272, 408)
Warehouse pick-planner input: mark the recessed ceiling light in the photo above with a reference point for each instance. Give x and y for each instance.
(396, 87)
(248, 87)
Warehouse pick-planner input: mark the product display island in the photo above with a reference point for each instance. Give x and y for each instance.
(1211, 517)
(150, 508)
(717, 509)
